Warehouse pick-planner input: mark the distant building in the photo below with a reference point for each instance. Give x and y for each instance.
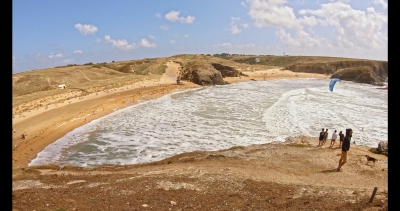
(61, 86)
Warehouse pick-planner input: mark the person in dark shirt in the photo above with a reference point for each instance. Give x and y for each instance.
(321, 137)
(341, 138)
(345, 148)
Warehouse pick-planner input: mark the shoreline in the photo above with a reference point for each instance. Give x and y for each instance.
(44, 127)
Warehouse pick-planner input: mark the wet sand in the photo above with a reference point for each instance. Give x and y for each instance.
(43, 126)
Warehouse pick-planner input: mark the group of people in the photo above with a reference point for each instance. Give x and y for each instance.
(344, 143)
(323, 135)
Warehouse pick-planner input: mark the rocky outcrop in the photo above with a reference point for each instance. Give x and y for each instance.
(383, 146)
(362, 71)
(226, 71)
(363, 74)
(201, 73)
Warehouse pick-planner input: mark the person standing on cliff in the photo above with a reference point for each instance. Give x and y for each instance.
(341, 138)
(325, 136)
(345, 148)
(321, 137)
(334, 136)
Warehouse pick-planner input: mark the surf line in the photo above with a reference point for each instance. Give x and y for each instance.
(72, 120)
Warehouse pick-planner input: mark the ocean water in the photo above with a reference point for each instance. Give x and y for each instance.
(219, 117)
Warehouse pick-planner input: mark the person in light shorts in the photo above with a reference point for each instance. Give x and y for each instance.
(334, 136)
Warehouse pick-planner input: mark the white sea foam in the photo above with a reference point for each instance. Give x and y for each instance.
(219, 117)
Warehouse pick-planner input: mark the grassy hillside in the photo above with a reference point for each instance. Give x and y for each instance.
(284, 61)
(378, 70)
(84, 79)
(31, 85)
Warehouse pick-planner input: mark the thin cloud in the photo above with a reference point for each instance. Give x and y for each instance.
(86, 28)
(233, 47)
(14, 58)
(172, 41)
(55, 56)
(164, 27)
(274, 13)
(174, 16)
(381, 2)
(237, 26)
(122, 44)
(186, 35)
(146, 44)
(66, 61)
(152, 37)
(78, 52)
(224, 45)
(37, 57)
(300, 2)
(235, 29)
(157, 15)
(243, 4)
(354, 30)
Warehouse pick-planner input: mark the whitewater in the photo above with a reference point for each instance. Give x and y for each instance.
(220, 117)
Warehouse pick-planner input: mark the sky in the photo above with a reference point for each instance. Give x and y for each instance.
(48, 33)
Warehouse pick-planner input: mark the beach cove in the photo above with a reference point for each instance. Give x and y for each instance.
(295, 173)
(43, 126)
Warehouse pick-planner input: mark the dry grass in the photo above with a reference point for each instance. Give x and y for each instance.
(84, 79)
(34, 85)
(286, 60)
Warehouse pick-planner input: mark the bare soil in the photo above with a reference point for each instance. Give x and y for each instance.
(294, 175)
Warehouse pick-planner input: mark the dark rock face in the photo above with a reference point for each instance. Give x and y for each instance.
(203, 74)
(226, 71)
(362, 71)
(361, 74)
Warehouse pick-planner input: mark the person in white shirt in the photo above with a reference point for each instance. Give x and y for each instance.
(334, 136)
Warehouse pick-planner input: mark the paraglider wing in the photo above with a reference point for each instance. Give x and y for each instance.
(332, 83)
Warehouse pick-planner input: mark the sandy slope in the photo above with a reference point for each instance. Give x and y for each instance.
(43, 126)
(295, 175)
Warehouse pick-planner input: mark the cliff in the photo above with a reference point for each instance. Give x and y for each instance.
(361, 71)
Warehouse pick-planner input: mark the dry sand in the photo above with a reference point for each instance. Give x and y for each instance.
(43, 126)
(293, 175)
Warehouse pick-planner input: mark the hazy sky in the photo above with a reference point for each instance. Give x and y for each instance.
(48, 33)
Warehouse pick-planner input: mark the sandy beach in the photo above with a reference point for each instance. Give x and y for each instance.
(42, 126)
(295, 174)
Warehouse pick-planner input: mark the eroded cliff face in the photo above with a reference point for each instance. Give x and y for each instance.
(203, 74)
(207, 72)
(226, 71)
(362, 71)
